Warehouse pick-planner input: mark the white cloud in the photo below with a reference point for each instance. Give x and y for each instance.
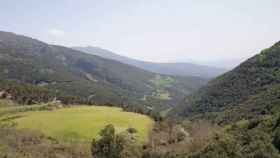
(56, 32)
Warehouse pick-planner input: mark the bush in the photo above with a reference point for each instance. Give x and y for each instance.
(224, 146)
(276, 139)
(240, 144)
(131, 130)
(112, 145)
(108, 146)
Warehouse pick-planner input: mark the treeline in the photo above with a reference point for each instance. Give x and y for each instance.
(27, 94)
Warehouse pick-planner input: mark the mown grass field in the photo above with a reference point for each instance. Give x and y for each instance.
(82, 123)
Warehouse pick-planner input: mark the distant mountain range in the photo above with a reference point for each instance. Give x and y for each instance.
(250, 90)
(89, 78)
(178, 69)
(224, 63)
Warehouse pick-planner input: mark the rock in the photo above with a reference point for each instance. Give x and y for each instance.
(2, 94)
(42, 84)
(90, 77)
(163, 143)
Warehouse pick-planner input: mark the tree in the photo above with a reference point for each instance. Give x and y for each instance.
(112, 145)
(276, 140)
(109, 145)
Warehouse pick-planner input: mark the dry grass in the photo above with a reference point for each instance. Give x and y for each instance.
(166, 137)
(29, 144)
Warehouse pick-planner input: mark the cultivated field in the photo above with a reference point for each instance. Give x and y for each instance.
(81, 123)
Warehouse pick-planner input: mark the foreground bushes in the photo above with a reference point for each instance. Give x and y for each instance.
(252, 145)
(112, 145)
(31, 144)
(258, 138)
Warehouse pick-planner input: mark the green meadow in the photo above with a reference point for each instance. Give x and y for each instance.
(82, 123)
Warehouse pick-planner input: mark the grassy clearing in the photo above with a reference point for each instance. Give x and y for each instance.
(82, 123)
(163, 82)
(162, 94)
(14, 109)
(4, 103)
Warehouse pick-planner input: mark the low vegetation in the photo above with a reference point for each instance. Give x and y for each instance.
(33, 144)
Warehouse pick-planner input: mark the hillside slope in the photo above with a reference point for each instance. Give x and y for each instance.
(92, 78)
(247, 91)
(181, 69)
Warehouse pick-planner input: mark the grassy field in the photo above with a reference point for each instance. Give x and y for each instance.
(161, 83)
(161, 94)
(82, 123)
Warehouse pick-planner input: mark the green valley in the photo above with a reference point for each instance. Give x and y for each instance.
(139, 79)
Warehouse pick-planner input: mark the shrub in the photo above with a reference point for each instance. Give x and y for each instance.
(108, 146)
(131, 130)
(276, 139)
(112, 145)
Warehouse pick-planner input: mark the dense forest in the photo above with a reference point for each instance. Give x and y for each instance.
(249, 89)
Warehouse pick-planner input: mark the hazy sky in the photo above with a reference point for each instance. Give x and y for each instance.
(153, 30)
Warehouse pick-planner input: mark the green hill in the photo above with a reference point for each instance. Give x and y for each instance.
(67, 73)
(245, 92)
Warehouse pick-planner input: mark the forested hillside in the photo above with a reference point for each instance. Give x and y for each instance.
(248, 91)
(91, 79)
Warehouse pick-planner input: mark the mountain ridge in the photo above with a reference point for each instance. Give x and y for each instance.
(173, 68)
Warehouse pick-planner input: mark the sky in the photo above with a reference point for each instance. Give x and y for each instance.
(150, 30)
